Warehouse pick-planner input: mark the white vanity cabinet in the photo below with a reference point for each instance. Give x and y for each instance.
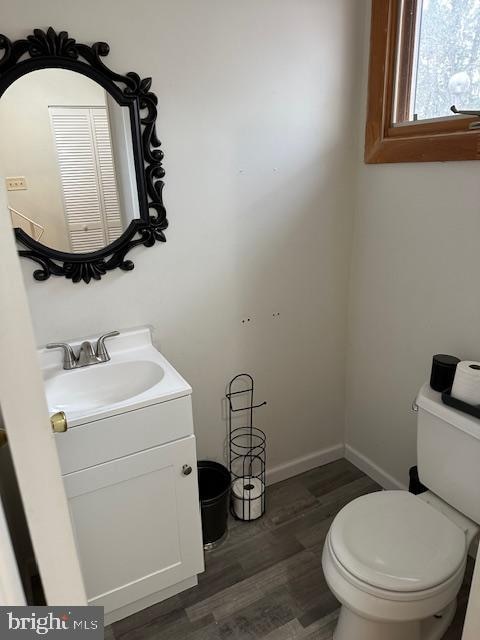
(133, 496)
(129, 467)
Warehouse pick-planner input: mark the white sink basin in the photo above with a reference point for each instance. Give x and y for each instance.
(102, 385)
(136, 376)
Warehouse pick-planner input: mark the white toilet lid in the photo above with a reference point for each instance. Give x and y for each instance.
(395, 541)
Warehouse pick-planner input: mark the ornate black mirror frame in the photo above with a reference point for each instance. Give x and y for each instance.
(49, 49)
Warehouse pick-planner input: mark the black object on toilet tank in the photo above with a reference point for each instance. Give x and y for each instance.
(443, 371)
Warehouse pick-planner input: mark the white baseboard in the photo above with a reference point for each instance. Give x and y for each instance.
(305, 463)
(324, 456)
(372, 470)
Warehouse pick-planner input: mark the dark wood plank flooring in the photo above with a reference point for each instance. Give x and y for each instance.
(266, 581)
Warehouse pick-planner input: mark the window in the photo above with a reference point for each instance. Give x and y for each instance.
(424, 59)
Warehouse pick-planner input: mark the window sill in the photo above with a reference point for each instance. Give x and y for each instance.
(423, 147)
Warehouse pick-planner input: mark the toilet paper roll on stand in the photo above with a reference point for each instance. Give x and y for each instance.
(466, 384)
(247, 498)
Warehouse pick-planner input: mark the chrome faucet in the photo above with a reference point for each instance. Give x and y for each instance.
(87, 354)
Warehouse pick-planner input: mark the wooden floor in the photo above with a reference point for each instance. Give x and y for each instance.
(266, 580)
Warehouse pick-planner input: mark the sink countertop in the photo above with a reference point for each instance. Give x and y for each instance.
(137, 370)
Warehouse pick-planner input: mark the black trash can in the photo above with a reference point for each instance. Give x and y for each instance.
(214, 487)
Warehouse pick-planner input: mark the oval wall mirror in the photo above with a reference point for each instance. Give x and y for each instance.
(80, 157)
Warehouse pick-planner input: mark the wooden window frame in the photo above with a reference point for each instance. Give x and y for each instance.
(429, 141)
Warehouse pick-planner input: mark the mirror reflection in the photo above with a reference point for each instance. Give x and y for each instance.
(67, 159)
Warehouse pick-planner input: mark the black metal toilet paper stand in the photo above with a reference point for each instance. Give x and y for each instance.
(246, 452)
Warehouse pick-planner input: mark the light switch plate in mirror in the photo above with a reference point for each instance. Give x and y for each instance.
(145, 221)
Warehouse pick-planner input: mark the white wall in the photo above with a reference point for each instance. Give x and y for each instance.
(254, 99)
(27, 147)
(414, 292)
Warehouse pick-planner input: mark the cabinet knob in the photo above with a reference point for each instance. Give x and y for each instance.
(186, 469)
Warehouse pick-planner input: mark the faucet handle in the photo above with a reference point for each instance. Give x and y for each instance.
(101, 350)
(69, 359)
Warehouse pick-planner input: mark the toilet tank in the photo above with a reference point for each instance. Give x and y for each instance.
(448, 453)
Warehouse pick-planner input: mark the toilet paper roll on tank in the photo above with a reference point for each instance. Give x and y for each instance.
(466, 384)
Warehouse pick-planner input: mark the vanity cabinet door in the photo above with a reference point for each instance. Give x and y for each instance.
(137, 523)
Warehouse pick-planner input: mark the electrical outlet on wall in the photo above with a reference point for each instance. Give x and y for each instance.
(16, 184)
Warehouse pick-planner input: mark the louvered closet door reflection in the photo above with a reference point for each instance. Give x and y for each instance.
(84, 152)
(73, 136)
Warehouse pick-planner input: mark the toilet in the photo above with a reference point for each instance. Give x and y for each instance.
(394, 560)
